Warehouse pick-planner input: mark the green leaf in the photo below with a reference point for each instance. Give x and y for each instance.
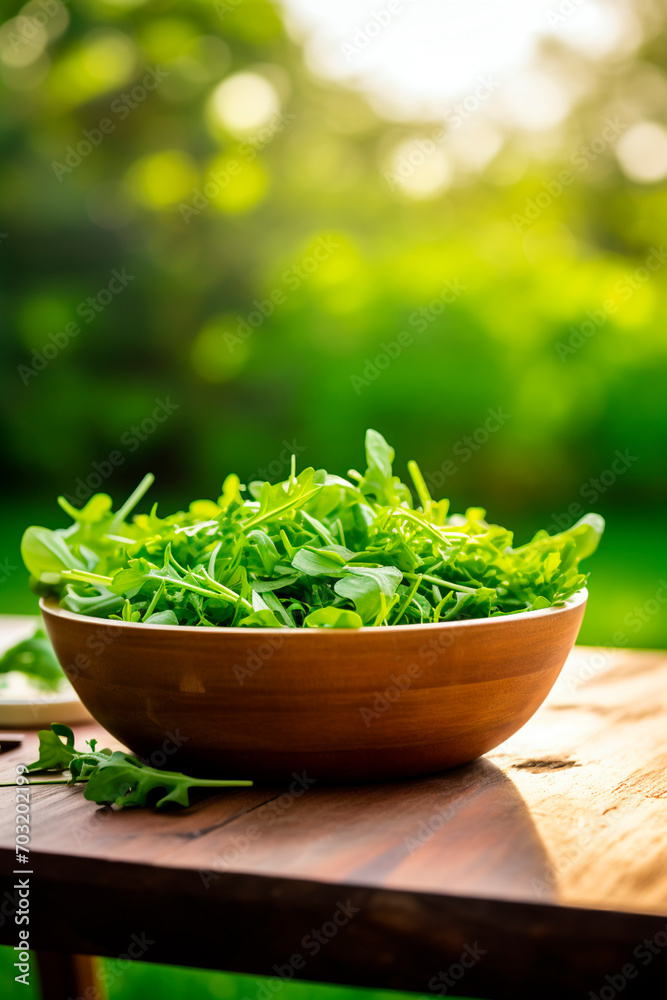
(319, 562)
(378, 480)
(123, 781)
(132, 501)
(35, 658)
(97, 509)
(379, 455)
(130, 580)
(275, 501)
(586, 534)
(161, 618)
(315, 541)
(115, 777)
(274, 604)
(54, 755)
(265, 548)
(262, 616)
(539, 603)
(46, 554)
(231, 493)
(333, 618)
(366, 585)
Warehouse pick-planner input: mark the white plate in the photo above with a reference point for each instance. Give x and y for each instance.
(23, 706)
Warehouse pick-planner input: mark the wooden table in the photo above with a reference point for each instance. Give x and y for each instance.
(538, 871)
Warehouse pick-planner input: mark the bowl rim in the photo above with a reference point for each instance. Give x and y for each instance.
(577, 599)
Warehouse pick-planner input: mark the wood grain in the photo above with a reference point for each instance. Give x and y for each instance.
(345, 704)
(549, 853)
(64, 975)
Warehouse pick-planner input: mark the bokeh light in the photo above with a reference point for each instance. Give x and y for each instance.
(162, 179)
(642, 152)
(243, 103)
(291, 191)
(419, 168)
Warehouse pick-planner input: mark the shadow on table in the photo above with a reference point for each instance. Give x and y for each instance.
(465, 831)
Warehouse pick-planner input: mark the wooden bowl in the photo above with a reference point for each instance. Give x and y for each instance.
(342, 705)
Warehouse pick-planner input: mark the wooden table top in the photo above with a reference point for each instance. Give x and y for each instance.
(538, 870)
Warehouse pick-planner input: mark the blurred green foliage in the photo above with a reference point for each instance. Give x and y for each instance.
(140, 980)
(271, 291)
(267, 275)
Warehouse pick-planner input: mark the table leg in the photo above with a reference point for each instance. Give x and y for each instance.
(69, 977)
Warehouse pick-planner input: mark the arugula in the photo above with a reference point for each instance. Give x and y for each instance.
(35, 658)
(114, 778)
(315, 551)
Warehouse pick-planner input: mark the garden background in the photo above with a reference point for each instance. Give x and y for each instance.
(234, 230)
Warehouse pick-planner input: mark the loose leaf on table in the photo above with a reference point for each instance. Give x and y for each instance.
(114, 778)
(54, 755)
(123, 781)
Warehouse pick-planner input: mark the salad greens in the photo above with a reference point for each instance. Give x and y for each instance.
(35, 658)
(114, 777)
(315, 551)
